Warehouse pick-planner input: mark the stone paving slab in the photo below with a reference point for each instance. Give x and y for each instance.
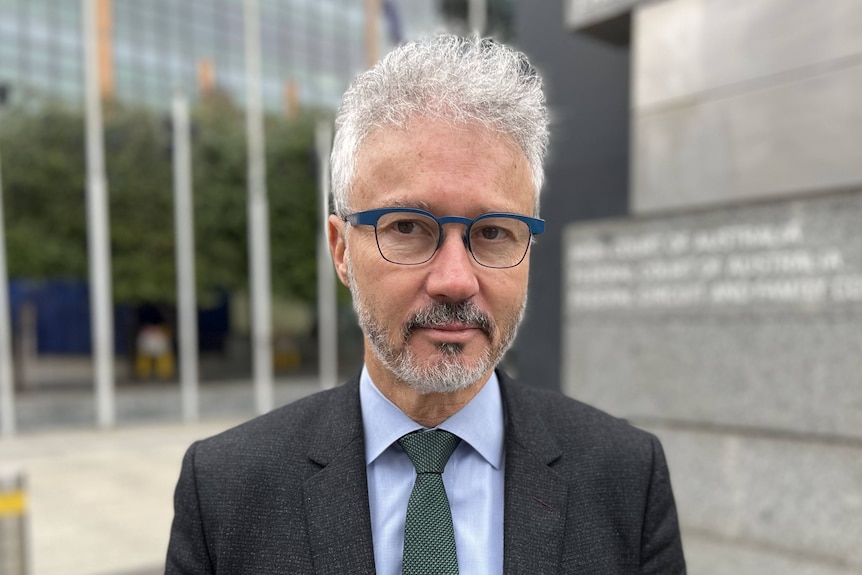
(100, 502)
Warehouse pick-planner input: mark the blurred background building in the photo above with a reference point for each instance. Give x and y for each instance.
(147, 53)
(703, 198)
(149, 50)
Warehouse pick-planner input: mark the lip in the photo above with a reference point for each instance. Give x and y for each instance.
(455, 333)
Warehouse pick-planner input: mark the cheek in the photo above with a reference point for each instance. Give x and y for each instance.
(362, 259)
(388, 290)
(364, 249)
(507, 292)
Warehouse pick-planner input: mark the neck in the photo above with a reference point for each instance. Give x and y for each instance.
(429, 409)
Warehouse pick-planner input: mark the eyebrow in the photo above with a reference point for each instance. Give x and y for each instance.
(402, 203)
(422, 205)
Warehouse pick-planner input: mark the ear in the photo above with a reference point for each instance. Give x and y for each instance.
(337, 246)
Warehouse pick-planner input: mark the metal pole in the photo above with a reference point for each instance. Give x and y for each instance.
(372, 39)
(327, 312)
(184, 226)
(7, 388)
(478, 13)
(258, 216)
(14, 548)
(98, 237)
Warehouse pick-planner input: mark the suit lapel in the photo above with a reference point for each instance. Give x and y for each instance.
(535, 495)
(336, 497)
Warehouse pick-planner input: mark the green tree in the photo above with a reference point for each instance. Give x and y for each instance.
(141, 206)
(294, 212)
(219, 182)
(44, 192)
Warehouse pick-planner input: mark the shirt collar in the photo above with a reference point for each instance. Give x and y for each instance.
(479, 423)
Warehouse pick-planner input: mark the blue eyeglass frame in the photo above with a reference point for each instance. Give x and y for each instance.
(370, 218)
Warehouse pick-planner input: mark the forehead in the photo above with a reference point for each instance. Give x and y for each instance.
(433, 161)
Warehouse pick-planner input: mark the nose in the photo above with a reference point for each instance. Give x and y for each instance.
(452, 273)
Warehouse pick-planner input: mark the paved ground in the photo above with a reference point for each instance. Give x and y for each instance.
(100, 502)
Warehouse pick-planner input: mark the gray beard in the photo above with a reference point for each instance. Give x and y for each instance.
(452, 371)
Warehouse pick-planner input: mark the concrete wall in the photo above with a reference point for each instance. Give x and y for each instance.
(735, 334)
(725, 313)
(735, 99)
(584, 13)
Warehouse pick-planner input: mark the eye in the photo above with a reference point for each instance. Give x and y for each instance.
(490, 233)
(405, 227)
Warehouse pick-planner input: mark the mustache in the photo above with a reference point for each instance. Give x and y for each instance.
(443, 313)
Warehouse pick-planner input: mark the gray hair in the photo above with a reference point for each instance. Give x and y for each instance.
(462, 80)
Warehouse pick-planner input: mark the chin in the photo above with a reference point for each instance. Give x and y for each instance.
(448, 371)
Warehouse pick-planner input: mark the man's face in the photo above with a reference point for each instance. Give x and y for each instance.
(445, 324)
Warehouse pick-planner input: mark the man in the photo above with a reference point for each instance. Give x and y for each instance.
(436, 170)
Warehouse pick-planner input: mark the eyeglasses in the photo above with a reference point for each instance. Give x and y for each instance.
(409, 236)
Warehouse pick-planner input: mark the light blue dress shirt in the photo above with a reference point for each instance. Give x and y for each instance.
(473, 478)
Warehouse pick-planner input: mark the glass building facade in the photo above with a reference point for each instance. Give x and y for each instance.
(40, 49)
(150, 49)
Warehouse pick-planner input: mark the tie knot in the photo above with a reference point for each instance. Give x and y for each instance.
(429, 450)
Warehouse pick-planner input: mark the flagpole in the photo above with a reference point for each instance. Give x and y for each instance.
(258, 217)
(184, 234)
(7, 383)
(98, 233)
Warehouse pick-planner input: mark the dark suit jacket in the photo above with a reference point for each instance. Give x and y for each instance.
(286, 493)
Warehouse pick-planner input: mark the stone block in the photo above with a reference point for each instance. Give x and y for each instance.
(742, 317)
(797, 501)
(703, 49)
(583, 13)
(797, 377)
(705, 555)
(783, 140)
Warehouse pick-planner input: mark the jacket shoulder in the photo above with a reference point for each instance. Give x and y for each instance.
(572, 424)
(288, 431)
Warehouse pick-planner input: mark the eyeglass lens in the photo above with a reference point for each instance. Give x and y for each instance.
(409, 238)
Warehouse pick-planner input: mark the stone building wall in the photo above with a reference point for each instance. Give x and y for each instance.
(725, 312)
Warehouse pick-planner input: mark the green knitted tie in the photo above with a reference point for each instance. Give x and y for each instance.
(429, 537)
